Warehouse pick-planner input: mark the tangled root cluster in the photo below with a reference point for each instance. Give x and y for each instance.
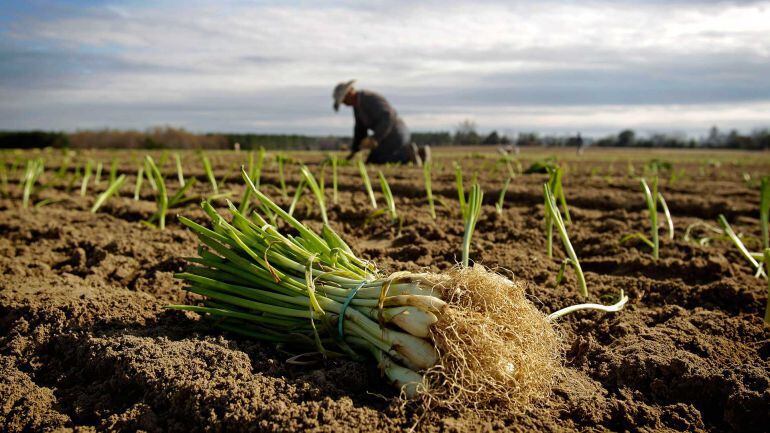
(497, 351)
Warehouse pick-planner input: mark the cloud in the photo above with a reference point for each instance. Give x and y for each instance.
(270, 66)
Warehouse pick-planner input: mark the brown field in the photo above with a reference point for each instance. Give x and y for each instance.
(85, 344)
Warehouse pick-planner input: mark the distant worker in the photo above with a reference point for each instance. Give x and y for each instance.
(390, 140)
(580, 144)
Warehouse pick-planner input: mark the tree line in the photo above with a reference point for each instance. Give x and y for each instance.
(465, 134)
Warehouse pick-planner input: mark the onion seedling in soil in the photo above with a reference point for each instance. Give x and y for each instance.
(111, 190)
(149, 177)
(32, 173)
(428, 189)
(667, 214)
(388, 194)
(113, 171)
(463, 339)
(501, 198)
(209, 172)
(706, 227)
(751, 257)
(555, 174)
(471, 217)
(255, 172)
(367, 183)
(98, 174)
(552, 210)
(764, 210)
(297, 195)
(317, 191)
(86, 178)
(652, 197)
(179, 171)
(138, 186)
(162, 199)
(161, 196)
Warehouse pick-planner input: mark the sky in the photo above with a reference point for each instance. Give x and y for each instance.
(269, 66)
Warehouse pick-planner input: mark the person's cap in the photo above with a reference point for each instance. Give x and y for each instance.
(340, 90)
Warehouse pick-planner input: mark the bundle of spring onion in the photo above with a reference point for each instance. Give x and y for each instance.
(465, 338)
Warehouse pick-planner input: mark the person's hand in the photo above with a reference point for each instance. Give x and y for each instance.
(368, 143)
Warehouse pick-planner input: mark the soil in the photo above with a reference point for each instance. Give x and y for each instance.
(85, 344)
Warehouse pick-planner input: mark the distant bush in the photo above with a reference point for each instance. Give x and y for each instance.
(33, 139)
(160, 137)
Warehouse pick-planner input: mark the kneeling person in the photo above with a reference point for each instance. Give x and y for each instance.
(390, 140)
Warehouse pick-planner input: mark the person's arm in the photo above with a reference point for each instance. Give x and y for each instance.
(359, 133)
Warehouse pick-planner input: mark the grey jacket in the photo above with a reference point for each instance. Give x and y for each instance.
(373, 112)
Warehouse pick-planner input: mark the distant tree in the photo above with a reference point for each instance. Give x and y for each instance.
(761, 138)
(626, 138)
(437, 138)
(527, 139)
(466, 133)
(491, 139)
(715, 138)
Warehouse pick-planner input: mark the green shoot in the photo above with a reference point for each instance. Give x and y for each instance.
(667, 214)
(138, 187)
(630, 170)
(555, 216)
(31, 175)
(209, 172)
(367, 183)
(548, 228)
(113, 188)
(388, 197)
(150, 178)
(113, 170)
(501, 198)
(255, 172)
(162, 197)
(297, 196)
(650, 197)
(706, 227)
(98, 175)
(739, 244)
(280, 159)
(766, 255)
(322, 179)
(428, 189)
(334, 178)
(460, 189)
(471, 216)
(554, 181)
(764, 210)
(317, 191)
(179, 172)
(86, 177)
